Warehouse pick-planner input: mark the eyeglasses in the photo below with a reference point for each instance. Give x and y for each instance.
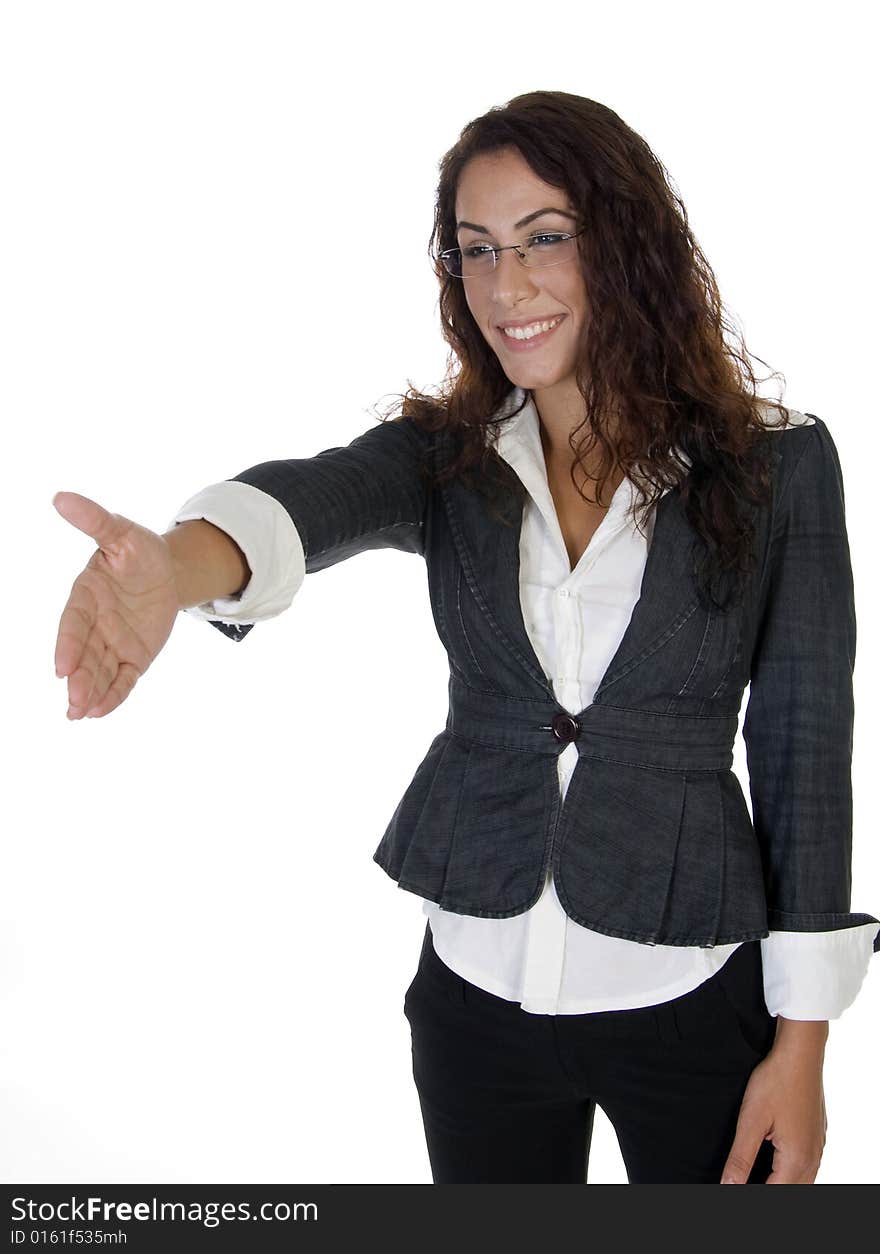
(545, 249)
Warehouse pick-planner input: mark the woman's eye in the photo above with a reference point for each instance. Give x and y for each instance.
(475, 250)
(546, 238)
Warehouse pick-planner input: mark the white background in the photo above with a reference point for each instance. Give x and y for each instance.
(215, 221)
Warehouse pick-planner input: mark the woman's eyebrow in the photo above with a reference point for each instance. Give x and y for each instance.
(522, 222)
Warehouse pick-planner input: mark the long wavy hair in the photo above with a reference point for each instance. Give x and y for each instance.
(653, 352)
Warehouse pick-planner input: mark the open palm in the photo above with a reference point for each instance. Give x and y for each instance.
(120, 611)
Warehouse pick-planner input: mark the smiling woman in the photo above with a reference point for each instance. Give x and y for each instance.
(640, 367)
(577, 836)
(568, 269)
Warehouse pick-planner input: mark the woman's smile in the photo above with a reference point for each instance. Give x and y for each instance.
(530, 337)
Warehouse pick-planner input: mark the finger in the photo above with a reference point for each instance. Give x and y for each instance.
(103, 676)
(101, 664)
(125, 679)
(87, 515)
(741, 1158)
(78, 651)
(791, 1169)
(783, 1177)
(88, 683)
(77, 620)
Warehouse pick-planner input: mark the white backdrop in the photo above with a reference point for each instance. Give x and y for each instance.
(189, 989)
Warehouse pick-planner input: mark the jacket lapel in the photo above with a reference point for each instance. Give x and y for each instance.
(668, 593)
(489, 552)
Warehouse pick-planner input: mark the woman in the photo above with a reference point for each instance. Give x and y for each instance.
(635, 969)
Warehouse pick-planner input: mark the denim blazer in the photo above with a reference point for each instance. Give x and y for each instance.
(654, 842)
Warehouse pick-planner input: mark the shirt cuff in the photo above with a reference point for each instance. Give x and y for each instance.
(266, 534)
(815, 975)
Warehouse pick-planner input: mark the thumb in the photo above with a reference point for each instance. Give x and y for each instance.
(88, 516)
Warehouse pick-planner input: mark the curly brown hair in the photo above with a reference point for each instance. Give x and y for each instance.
(654, 353)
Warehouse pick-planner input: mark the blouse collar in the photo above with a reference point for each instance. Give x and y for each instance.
(518, 440)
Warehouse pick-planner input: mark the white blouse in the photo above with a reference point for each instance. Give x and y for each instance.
(575, 620)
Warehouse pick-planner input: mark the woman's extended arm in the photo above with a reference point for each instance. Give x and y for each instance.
(290, 517)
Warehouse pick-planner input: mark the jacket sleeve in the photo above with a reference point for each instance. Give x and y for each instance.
(372, 493)
(798, 726)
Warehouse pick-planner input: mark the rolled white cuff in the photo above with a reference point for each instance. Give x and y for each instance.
(266, 534)
(815, 975)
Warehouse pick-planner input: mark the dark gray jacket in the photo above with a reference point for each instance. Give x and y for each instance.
(654, 842)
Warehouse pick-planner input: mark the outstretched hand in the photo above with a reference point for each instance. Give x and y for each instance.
(120, 611)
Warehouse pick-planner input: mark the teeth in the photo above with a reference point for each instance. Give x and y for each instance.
(526, 333)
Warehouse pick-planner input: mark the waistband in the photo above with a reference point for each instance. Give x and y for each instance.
(634, 737)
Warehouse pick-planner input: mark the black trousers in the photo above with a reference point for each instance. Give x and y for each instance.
(508, 1097)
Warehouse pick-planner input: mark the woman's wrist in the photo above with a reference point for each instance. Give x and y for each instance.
(207, 562)
(805, 1037)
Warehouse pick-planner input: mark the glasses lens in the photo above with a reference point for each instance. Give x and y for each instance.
(468, 262)
(452, 261)
(549, 249)
(475, 259)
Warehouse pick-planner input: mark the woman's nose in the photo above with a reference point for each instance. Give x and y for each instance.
(511, 279)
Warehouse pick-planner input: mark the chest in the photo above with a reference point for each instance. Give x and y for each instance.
(579, 520)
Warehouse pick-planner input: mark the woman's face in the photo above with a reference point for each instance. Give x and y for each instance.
(496, 191)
